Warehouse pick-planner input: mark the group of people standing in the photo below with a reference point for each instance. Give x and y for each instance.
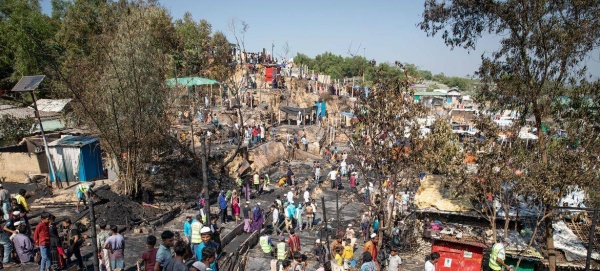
(175, 253)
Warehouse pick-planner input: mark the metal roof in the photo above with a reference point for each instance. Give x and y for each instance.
(73, 141)
(23, 112)
(51, 105)
(430, 93)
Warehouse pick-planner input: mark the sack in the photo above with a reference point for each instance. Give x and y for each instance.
(353, 263)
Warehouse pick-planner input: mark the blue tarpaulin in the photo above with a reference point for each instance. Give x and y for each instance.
(348, 114)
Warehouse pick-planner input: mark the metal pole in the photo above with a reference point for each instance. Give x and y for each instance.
(591, 241)
(205, 179)
(93, 226)
(337, 208)
(37, 115)
(325, 220)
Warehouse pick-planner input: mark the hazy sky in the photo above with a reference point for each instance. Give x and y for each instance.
(385, 29)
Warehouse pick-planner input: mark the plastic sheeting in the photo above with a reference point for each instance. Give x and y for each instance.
(566, 240)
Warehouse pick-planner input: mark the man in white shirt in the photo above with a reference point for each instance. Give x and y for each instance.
(290, 196)
(275, 212)
(433, 259)
(332, 175)
(307, 196)
(344, 167)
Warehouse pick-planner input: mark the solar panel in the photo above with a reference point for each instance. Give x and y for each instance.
(29, 83)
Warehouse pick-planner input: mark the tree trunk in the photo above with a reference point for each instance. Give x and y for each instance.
(205, 177)
(549, 230)
(550, 242)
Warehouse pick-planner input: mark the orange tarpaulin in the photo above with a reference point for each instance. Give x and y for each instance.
(470, 158)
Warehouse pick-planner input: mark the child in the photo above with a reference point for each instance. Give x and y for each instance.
(215, 229)
(149, 256)
(338, 258)
(348, 254)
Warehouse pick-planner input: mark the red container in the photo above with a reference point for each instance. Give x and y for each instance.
(457, 257)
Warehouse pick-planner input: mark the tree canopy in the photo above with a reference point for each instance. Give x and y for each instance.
(540, 60)
(339, 67)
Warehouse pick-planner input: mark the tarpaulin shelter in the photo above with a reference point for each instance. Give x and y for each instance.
(293, 111)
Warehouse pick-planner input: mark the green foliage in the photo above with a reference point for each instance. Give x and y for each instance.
(339, 67)
(26, 37)
(13, 130)
(442, 150)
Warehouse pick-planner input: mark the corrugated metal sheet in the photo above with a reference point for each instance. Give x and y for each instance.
(51, 105)
(23, 112)
(73, 141)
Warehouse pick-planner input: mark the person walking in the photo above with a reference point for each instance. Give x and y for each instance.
(348, 254)
(246, 189)
(235, 206)
(293, 242)
(258, 218)
(256, 182)
(310, 216)
(246, 213)
(304, 142)
(41, 237)
(187, 229)
(317, 174)
(275, 213)
(300, 216)
(73, 238)
(497, 257)
(307, 196)
(223, 207)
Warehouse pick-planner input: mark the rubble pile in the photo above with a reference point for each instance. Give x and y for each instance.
(116, 209)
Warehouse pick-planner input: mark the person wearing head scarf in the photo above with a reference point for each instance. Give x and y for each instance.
(257, 218)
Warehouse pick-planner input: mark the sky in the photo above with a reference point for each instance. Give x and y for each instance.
(383, 30)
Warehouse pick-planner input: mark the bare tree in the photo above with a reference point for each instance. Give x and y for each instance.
(239, 30)
(285, 51)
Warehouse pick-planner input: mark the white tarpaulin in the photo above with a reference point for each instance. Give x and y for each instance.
(525, 134)
(569, 243)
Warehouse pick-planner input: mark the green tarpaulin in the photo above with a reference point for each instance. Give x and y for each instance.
(190, 81)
